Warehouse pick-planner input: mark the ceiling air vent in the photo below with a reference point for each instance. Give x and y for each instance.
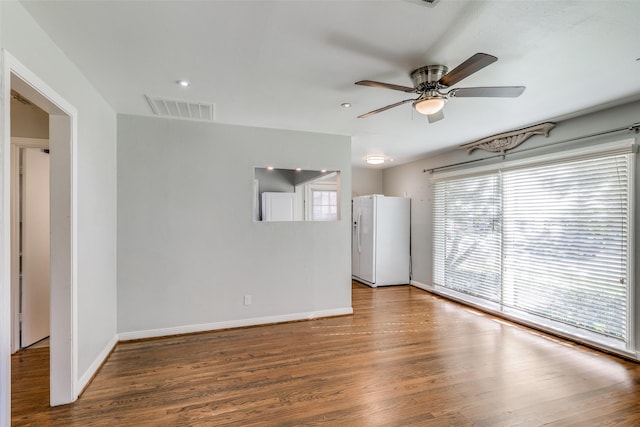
(178, 109)
(428, 3)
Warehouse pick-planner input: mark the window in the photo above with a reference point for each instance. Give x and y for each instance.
(324, 205)
(467, 236)
(547, 243)
(321, 199)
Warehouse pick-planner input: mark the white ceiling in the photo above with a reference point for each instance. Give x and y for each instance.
(290, 64)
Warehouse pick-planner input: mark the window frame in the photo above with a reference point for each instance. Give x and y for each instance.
(308, 205)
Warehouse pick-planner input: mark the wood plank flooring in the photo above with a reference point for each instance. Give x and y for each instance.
(405, 358)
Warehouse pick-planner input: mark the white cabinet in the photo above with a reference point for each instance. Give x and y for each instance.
(278, 206)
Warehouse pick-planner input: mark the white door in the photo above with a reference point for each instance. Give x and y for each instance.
(34, 293)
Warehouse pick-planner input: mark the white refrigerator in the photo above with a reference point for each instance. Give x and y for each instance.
(380, 245)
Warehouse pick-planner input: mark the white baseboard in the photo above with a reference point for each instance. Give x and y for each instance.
(421, 286)
(528, 323)
(99, 360)
(203, 327)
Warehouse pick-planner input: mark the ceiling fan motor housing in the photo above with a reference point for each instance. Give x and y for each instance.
(426, 78)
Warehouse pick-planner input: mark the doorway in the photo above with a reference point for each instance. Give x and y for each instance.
(30, 243)
(62, 128)
(30, 254)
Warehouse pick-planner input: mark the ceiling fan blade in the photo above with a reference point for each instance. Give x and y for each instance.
(432, 118)
(468, 67)
(371, 83)
(380, 110)
(488, 92)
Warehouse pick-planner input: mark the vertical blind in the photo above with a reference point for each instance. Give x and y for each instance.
(549, 242)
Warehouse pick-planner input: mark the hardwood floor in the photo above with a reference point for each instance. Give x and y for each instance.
(405, 357)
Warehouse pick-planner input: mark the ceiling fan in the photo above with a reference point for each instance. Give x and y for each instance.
(432, 81)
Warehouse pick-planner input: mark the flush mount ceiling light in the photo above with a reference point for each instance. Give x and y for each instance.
(429, 105)
(375, 160)
(184, 83)
(346, 104)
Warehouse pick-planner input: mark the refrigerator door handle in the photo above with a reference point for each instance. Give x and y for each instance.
(358, 230)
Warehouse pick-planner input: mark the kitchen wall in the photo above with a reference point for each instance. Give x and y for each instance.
(188, 248)
(366, 181)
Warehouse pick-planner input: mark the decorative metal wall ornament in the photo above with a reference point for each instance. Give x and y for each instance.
(506, 141)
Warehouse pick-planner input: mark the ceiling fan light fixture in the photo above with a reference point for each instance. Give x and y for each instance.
(430, 105)
(375, 160)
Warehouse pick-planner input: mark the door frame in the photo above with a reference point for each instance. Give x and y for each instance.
(63, 128)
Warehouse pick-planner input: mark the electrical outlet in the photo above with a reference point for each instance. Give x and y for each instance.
(247, 300)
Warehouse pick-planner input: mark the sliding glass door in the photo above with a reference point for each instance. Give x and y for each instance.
(565, 243)
(547, 243)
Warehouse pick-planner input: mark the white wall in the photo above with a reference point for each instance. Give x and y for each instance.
(188, 248)
(411, 179)
(5, 262)
(96, 181)
(366, 181)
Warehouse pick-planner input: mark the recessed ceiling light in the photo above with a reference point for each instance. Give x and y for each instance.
(298, 169)
(323, 170)
(269, 168)
(184, 83)
(346, 104)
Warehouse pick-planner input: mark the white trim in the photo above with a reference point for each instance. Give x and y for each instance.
(84, 380)
(203, 327)
(421, 285)
(30, 142)
(64, 350)
(5, 238)
(15, 245)
(632, 314)
(623, 146)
